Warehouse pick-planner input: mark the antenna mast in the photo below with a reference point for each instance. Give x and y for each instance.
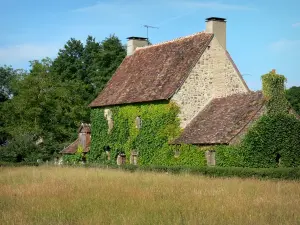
(147, 27)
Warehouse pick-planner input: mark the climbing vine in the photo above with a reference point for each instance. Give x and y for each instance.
(273, 140)
(158, 126)
(274, 92)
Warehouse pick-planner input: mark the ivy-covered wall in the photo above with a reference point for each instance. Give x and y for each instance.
(274, 139)
(159, 125)
(273, 86)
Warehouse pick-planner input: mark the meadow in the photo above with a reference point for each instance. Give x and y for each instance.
(65, 195)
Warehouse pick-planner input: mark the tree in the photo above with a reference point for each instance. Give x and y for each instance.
(93, 63)
(45, 108)
(8, 78)
(50, 101)
(7, 74)
(293, 96)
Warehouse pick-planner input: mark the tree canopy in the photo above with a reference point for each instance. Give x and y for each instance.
(293, 96)
(44, 106)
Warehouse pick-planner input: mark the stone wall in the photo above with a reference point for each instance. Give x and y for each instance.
(213, 76)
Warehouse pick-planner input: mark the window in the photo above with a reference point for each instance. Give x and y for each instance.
(108, 117)
(107, 152)
(134, 157)
(121, 159)
(138, 122)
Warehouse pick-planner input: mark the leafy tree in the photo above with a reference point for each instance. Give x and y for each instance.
(8, 77)
(45, 108)
(293, 96)
(50, 101)
(93, 63)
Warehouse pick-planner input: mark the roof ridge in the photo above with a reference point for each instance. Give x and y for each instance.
(171, 41)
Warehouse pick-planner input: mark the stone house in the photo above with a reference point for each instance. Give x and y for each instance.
(83, 141)
(195, 72)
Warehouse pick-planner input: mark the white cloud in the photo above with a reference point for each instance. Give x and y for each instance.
(285, 45)
(296, 24)
(26, 52)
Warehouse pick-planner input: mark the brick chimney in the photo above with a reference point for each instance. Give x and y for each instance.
(217, 26)
(135, 42)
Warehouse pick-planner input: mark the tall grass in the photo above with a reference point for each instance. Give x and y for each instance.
(53, 195)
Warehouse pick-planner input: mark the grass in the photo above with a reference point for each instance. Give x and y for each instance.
(54, 195)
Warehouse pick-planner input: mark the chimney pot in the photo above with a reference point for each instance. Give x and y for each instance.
(135, 42)
(217, 26)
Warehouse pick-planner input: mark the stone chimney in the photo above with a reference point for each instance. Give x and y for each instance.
(135, 42)
(217, 26)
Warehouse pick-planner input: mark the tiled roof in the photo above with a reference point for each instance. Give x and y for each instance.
(154, 72)
(222, 119)
(72, 148)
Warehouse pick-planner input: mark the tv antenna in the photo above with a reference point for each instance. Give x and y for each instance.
(147, 27)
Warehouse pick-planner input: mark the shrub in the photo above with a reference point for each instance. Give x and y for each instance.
(21, 148)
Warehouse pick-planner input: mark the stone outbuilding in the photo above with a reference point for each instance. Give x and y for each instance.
(83, 140)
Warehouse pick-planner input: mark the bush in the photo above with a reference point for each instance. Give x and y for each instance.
(21, 148)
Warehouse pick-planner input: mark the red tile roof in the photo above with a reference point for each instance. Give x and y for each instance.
(154, 72)
(72, 148)
(222, 119)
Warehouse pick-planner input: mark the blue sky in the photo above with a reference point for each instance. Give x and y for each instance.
(261, 34)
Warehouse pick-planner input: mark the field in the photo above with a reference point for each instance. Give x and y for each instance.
(53, 195)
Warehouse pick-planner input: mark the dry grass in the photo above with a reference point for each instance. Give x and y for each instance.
(48, 195)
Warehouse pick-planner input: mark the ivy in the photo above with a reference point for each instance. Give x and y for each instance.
(159, 125)
(229, 156)
(274, 92)
(273, 141)
(74, 158)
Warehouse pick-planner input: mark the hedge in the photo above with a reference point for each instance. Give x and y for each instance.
(241, 172)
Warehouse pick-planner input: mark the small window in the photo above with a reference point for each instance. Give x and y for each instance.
(134, 157)
(108, 117)
(107, 152)
(138, 122)
(278, 159)
(177, 153)
(121, 159)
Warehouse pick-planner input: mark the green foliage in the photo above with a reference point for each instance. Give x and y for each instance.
(91, 64)
(51, 100)
(74, 158)
(274, 92)
(242, 172)
(273, 138)
(293, 96)
(228, 156)
(22, 148)
(160, 125)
